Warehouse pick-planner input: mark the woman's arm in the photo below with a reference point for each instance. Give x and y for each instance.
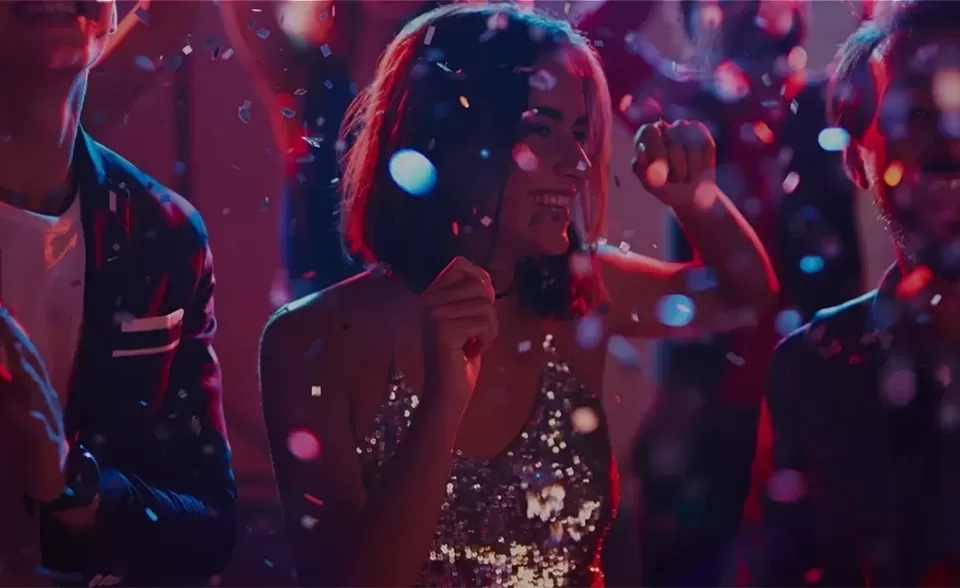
(730, 280)
(341, 533)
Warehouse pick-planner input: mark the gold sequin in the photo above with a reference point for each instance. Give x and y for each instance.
(536, 514)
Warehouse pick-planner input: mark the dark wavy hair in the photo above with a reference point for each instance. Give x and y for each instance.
(454, 80)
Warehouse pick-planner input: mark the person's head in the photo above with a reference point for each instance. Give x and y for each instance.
(896, 94)
(746, 29)
(43, 37)
(485, 134)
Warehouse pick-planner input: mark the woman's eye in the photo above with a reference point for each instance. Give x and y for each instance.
(539, 130)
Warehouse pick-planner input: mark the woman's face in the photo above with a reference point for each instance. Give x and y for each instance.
(550, 166)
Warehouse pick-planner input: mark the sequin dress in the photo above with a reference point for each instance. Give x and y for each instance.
(534, 515)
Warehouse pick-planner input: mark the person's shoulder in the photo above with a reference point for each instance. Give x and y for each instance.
(332, 317)
(157, 207)
(832, 333)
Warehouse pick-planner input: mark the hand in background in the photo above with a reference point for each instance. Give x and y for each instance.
(676, 161)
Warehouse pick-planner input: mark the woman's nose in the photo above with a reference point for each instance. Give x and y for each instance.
(575, 166)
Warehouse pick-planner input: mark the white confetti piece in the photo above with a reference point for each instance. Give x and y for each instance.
(735, 359)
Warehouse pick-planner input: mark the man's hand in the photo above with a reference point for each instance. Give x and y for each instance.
(30, 407)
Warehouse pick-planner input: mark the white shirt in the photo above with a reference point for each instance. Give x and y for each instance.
(42, 263)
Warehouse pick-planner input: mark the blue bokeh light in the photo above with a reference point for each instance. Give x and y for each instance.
(413, 172)
(787, 322)
(811, 264)
(833, 139)
(675, 310)
(589, 331)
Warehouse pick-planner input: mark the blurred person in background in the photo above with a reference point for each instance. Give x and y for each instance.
(782, 168)
(308, 59)
(437, 419)
(112, 439)
(864, 399)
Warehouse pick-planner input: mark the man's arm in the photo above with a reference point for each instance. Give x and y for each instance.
(173, 519)
(785, 550)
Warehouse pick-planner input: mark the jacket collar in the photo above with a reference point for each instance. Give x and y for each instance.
(104, 204)
(105, 217)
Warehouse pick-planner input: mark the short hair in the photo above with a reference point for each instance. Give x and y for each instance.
(852, 95)
(483, 53)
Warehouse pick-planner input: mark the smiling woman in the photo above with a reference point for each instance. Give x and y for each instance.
(461, 436)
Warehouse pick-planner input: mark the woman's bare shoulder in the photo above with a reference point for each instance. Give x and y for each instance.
(338, 316)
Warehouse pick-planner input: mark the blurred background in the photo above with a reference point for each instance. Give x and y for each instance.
(192, 119)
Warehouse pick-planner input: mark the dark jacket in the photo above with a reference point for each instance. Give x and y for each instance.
(864, 483)
(145, 394)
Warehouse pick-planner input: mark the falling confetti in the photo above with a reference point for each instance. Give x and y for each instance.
(243, 113)
(946, 89)
(791, 182)
(786, 486)
(811, 264)
(308, 522)
(623, 351)
(589, 331)
(584, 420)
(525, 158)
(303, 444)
(657, 174)
(788, 321)
(543, 80)
(893, 174)
(899, 383)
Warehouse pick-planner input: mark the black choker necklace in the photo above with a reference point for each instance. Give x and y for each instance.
(504, 294)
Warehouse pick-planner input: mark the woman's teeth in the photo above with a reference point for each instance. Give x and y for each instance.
(558, 200)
